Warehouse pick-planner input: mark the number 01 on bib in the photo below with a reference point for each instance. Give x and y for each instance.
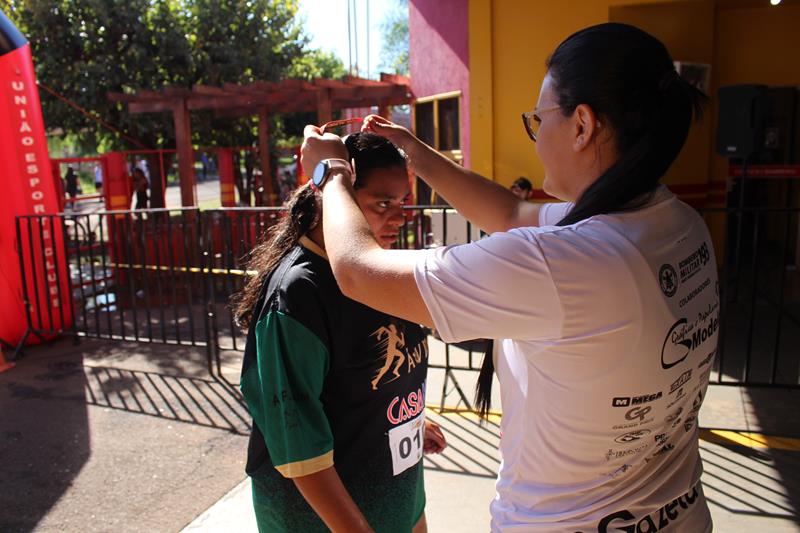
(405, 442)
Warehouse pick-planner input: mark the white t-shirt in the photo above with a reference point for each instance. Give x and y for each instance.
(606, 333)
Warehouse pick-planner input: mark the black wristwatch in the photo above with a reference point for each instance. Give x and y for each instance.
(324, 169)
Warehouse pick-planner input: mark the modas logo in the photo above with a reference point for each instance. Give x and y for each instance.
(683, 338)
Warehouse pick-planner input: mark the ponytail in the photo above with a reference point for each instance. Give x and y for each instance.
(629, 183)
(483, 389)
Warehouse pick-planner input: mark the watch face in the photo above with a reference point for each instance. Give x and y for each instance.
(318, 176)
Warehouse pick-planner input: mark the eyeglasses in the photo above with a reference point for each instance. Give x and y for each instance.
(532, 119)
(337, 123)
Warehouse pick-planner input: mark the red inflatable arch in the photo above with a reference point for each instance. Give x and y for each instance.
(27, 189)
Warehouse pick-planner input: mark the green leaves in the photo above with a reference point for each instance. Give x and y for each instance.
(394, 54)
(84, 49)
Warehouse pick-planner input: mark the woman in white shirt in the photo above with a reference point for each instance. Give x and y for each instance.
(604, 309)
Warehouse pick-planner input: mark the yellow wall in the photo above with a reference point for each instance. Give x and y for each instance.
(481, 111)
(745, 41)
(523, 33)
(687, 30)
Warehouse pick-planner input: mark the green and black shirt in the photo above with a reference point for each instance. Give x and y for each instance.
(331, 382)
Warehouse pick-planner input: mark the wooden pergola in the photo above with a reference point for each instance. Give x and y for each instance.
(263, 99)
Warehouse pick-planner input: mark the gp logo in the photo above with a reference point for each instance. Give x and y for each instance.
(638, 413)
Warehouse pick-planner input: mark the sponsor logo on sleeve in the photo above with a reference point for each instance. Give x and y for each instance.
(668, 280)
(287, 397)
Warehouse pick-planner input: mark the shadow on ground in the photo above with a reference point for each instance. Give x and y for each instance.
(44, 437)
(110, 436)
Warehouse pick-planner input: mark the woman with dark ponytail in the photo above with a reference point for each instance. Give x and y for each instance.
(336, 389)
(603, 309)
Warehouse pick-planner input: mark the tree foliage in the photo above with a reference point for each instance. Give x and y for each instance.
(394, 53)
(84, 49)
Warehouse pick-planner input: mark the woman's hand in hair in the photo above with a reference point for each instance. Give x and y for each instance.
(317, 147)
(398, 135)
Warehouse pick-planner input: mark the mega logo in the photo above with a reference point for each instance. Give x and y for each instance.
(627, 401)
(694, 263)
(656, 521)
(402, 409)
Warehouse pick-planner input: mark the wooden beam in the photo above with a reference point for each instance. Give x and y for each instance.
(149, 107)
(183, 142)
(269, 197)
(210, 90)
(364, 82)
(176, 91)
(324, 112)
(120, 97)
(396, 79)
(222, 102)
(331, 84)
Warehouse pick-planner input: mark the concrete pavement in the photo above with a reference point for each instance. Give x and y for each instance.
(750, 444)
(112, 436)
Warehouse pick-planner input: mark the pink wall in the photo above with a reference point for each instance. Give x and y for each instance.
(439, 54)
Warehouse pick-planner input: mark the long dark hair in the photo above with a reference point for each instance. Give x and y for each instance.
(628, 79)
(303, 209)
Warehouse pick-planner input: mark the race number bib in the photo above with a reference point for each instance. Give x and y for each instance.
(405, 442)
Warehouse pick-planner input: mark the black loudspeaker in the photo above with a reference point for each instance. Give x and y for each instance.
(741, 117)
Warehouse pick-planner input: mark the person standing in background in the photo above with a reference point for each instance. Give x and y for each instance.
(71, 186)
(98, 178)
(140, 187)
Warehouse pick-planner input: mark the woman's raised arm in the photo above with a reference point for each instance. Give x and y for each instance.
(485, 203)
